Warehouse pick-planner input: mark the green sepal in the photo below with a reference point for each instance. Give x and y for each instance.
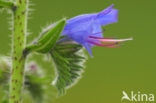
(46, 42)
(69, 61)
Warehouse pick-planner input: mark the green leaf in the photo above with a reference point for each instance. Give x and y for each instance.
(35, 87)
(46, 42)
(69, 62)
(4, 70)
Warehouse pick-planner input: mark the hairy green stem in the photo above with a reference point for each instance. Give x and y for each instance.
(18, 58)
(5, 4)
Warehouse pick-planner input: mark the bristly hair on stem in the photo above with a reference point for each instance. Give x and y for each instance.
(18, 45)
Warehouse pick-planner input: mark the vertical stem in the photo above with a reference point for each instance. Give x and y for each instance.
(18, 59)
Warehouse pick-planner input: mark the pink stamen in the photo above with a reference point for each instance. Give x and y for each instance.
(98, 44)
(113, 40)
(109, 40)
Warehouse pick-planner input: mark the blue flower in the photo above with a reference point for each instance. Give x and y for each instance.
(86, 29)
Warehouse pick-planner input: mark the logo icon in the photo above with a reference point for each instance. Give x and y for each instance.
(125, 96)
(138, 96)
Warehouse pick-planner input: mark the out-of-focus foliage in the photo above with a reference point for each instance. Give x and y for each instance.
(37, 85)
(4, 70)
(4, 79)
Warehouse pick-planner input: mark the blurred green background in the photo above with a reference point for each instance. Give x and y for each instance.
(112, 70)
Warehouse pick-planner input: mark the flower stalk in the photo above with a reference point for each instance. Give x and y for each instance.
(18, 58)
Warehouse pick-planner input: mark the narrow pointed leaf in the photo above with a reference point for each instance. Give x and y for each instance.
(47, 40)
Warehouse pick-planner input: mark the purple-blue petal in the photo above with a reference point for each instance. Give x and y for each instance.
(108, 18)
(79, 23)
(88, 49)
(97, 30)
